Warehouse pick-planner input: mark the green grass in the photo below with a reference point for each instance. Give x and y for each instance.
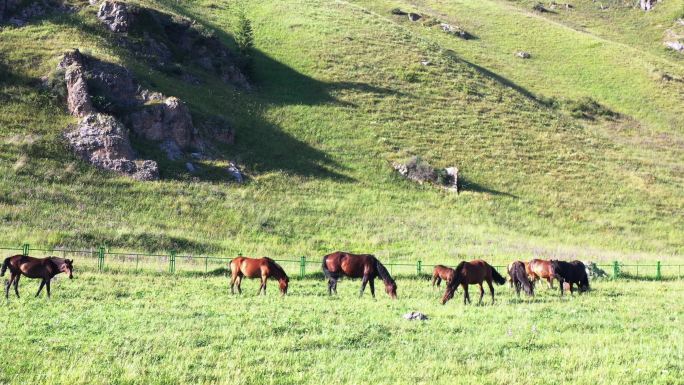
(339, 95)
(150, 329)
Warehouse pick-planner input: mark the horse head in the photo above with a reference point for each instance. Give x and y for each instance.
(67, 267)
(391, 289)
(283, 283)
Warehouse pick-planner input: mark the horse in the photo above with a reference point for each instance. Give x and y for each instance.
(263, 268)
(572, 273)
(471, 273)
(365, 266)
(43, 268)
(441, 272)
(519, 278)
(540, 268)
(510, 266)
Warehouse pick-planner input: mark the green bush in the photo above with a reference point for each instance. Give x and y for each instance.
(244, 36)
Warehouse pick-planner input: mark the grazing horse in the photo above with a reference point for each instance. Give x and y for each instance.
(541, 269)
(441, 272)
(263, 268)
(471, 273)
(571, 273)
(43, 268)
(519, 278)
(363, 266)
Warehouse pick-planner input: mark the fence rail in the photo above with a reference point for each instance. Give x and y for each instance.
(101, 259)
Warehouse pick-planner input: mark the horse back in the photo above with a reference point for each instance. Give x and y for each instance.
(351, 265)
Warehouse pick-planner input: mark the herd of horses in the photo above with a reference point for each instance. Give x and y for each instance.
(522, 275)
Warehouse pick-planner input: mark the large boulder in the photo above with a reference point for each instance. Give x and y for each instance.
(103, 141)
(170, 120)
(78, 97)
(114, 15)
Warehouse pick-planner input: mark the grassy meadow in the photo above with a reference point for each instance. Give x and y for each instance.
(157, 329)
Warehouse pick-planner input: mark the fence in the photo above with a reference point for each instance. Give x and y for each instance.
(100, 259)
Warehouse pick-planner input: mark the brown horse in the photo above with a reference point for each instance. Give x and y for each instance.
(541, 269)
(519, 278)
(363, 266)
(472, 273)
(263, 268)
(43, 268)
(441, 272)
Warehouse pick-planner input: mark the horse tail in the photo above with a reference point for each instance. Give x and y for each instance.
(5, 264)
(497, 277)
(382, 271)
(521, 276)
(324, 266)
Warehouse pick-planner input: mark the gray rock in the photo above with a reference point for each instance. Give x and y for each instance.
(414, 315)
(114, 15)
(452, 179)
(414, 16)
(647, 5)
(675, 45)
(169, 121)
(78, 97)
(454, 30)
(235, 172)
(523, 55)
(103, 141)
(190, 167)
(171, 149)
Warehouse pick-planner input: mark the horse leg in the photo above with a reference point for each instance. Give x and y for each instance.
(363, 284)
(16, 285)
(330, 285)
(481, 294)
(238, 283)
(8, 284)
(335, 286)
(466, 296)
(560, 283)
(233, 278)
(491, 290)
(434, 280)
(372, 287)
(42, 283)
(550, 281)
(264, 279)
(47, 286)
(571, 292)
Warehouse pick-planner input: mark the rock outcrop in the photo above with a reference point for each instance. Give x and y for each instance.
(674, 37)
(647, 5)
(103, 141)
(155, 35)
(114, 15)
(99, 138)
(420, 171)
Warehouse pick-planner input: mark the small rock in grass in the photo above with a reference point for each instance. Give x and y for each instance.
(523, 55)
(191, 168)
(414, 315)
(414, 16)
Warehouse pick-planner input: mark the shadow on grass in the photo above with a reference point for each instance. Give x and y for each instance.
(466, 185)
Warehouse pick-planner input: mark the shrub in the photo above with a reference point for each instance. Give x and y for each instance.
(588, 108)
(244, 36)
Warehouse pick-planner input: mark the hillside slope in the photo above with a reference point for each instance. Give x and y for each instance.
(339, 92)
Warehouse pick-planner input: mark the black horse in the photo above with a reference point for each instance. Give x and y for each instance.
(571, 272)
(519, 278)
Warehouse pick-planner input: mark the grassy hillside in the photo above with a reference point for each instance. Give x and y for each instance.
(340, 93)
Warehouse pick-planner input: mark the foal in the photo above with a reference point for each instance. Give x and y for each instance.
(43, 268)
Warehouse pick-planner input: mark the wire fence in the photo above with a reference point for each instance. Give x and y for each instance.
(102, 260)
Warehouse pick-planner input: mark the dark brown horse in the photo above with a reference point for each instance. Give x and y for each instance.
(263, 268)
(441, 272)
(472, 273)
(541, 269)
(570, 273)
(519, 278)
(363, 266)
(43, 268)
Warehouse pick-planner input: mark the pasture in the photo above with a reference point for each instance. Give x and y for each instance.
(148, 328)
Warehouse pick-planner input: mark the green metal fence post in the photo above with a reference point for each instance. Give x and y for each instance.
(172, 262)
(100, 258)
(616, 269)
(658, 270)
(25, 249)
(419, 267)
(302, 266)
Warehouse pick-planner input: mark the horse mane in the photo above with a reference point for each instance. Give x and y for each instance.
(279, 271)
(382, 271)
